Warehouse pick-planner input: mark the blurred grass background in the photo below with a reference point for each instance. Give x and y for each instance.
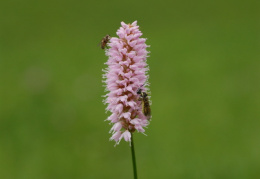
(204, 75)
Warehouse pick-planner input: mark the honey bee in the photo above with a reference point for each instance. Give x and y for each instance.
(104, 41)
(145, 103)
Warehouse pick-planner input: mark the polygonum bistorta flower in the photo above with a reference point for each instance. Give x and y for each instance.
(125, 75)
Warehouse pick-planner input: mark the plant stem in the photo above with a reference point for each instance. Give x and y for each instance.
(133, 156)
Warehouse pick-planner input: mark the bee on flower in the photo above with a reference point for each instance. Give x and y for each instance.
(104, 41)
(145, 103)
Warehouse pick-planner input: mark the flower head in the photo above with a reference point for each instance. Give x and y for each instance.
(126, 73)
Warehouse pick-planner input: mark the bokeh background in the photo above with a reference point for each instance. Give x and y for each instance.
(205, 91)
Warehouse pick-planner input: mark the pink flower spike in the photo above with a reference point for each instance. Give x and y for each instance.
(126, 73)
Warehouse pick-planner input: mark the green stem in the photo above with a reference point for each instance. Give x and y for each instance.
(133, 156)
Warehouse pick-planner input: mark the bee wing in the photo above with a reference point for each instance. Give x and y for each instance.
(100, 44)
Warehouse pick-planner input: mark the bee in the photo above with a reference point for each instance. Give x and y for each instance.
(104, 41)
(145, 103)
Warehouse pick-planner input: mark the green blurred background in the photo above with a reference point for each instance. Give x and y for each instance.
(204, 75)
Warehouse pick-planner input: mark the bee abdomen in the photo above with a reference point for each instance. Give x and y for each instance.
(146, 109)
